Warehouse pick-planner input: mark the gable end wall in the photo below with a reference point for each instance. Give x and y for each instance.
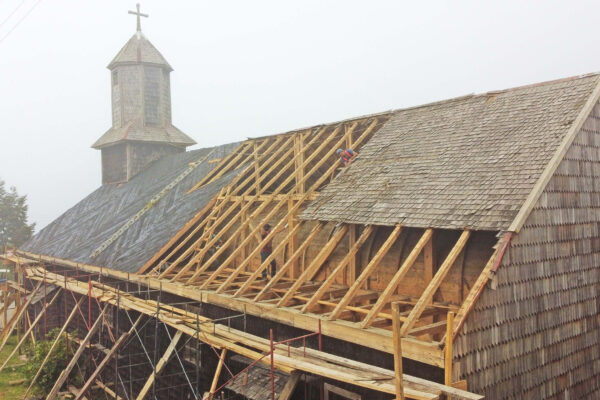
(537, 335)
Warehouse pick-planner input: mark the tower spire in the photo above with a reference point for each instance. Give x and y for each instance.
(138, 14)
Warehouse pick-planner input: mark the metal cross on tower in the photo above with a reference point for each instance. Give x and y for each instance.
(139, 14)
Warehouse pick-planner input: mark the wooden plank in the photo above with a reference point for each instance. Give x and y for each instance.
(316, 263)
(427, 295)
(215, 381)
(369, 269)
(434, 327)
(290, 386)
(448, 353)
(159, 366)
(106, 359)
(397, 338)
(398, 276)
(283, 270)
(65, 373)
(351, 255)
(352, 234)
(30, 329)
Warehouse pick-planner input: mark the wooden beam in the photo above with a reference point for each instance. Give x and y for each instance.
(434, 327)
(448, 350)
(352, 234)
(316, 263)
(430, 290)
(35, 321)
(107, 358)
(351, 255)
(215, 381)
(282, 271)
(397, 338)
(385, 247)
(293, 242)
(159, 366)
(65, 373)
(290, 385)
(398, 276)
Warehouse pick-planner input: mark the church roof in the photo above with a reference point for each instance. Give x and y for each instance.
(87, 225)
(133, 132)
(139, 50)
(469, 162)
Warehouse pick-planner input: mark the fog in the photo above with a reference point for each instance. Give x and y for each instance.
(252, 68)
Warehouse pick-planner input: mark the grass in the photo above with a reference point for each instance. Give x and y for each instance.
(11, 392)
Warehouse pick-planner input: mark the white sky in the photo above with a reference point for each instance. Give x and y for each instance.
(252, 68)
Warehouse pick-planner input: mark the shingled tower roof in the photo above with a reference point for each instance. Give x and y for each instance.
(139, 50)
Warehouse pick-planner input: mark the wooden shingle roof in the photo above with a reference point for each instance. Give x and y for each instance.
(138, 49)
(469, 162)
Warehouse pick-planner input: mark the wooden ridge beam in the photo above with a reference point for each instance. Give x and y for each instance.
(430, 290)
(340, 267)
(398, 276)
(385, 247)
(316, 263)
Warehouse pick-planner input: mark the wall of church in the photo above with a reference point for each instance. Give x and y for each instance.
(142, 154)
(114, 164)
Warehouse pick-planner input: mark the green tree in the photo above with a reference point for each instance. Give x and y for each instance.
(14, 230)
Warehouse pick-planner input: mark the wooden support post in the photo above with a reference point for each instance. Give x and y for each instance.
(448, 350)
(385, 247)
(65, 373)
(5, 304)
(331, 278)
(37, 319)
(106, 359)
(430, 290)
(293, 243)
(314, 266)
(159, 366)
(398, 375)
(350, 277)
(215, 381)
(400, 274)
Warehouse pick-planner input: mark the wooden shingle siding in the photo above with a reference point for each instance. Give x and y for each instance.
(537, 335)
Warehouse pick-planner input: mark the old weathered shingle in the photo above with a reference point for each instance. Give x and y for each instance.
(468, 162)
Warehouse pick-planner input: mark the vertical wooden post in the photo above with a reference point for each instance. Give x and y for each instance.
(293, 243)
(397, 351)
(272, 365)
(448, 351)
(5, 305)
(350, 277)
